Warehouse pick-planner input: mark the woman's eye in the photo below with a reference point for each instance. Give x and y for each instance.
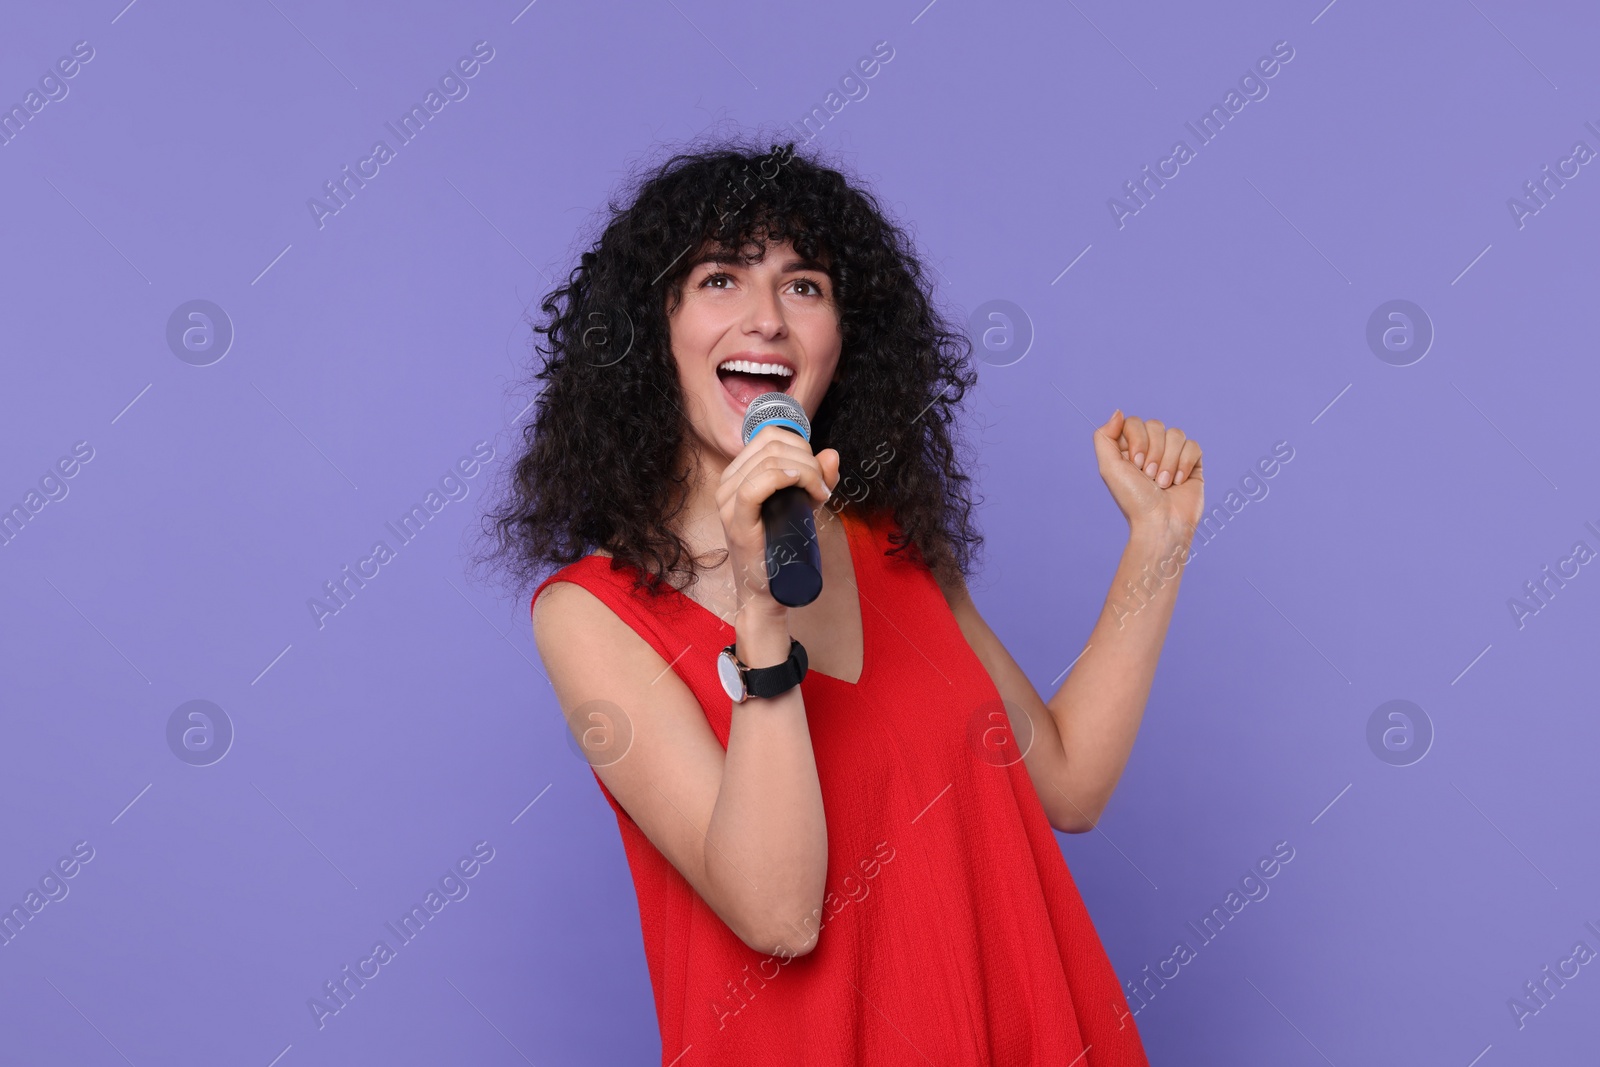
(806, 286)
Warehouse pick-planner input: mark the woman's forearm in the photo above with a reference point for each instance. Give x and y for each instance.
(767, 841)
(1098, 708)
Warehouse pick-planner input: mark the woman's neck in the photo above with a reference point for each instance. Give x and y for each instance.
(699, 524)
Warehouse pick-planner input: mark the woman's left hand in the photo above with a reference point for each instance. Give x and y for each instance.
(1153, 472)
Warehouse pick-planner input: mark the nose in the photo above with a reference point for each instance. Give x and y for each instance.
(763, 313)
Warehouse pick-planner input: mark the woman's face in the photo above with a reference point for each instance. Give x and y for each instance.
(739, 327)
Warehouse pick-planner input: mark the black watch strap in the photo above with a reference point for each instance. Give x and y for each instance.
(780, 678)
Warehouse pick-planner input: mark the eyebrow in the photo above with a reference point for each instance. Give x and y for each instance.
(729, 259)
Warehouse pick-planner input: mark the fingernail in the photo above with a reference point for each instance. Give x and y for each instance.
(1150, 468)
(1177, 478)
(1164, 479)
(786, 470)
(1138, 459)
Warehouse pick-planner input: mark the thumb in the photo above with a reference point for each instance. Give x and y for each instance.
(828, 460)
(1106, 436)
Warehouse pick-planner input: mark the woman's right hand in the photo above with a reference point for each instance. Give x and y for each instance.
(774, 458)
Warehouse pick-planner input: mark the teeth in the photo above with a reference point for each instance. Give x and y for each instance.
(745, 366)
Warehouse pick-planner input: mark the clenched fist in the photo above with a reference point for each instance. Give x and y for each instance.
(1153, 472)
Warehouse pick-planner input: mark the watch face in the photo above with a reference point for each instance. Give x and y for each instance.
(728, 674)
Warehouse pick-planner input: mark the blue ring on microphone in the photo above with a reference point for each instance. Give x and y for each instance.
(786, 423)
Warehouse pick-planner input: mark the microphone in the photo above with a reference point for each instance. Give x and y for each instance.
(794, 559)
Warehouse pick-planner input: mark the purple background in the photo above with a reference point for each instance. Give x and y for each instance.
(374, 352)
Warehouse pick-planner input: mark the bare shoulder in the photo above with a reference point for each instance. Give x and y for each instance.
(973, 626)
(568, 618)
(592, 654)
(955, 593)
(566, 615)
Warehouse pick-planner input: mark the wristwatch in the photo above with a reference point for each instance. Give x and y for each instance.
(741, 682)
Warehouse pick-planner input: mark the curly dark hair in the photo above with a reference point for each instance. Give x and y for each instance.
(602, 463)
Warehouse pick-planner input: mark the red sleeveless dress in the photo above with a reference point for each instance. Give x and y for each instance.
(951, 932)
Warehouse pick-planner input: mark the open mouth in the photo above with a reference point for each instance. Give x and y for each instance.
(744, 379)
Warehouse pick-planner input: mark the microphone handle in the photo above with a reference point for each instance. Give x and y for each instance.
(794, 559)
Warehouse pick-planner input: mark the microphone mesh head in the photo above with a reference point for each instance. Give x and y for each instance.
(775, 407)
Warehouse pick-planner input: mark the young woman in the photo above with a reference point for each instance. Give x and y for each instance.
(858, 867)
